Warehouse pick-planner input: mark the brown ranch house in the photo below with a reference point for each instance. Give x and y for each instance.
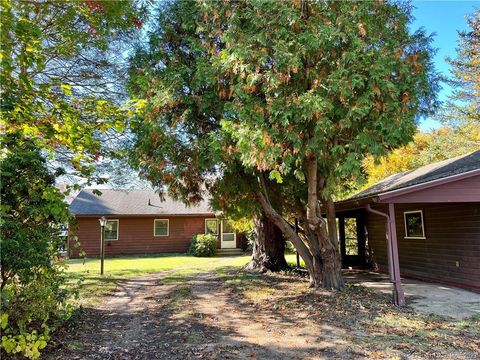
(423, 223)
(139, 223)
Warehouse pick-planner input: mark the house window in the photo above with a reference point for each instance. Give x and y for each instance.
(211, 226)
(160, 227)
(414, 228)
(111, 230)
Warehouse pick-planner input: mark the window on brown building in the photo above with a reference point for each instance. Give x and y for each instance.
(414, 228)
(111, 230)
(160, 227)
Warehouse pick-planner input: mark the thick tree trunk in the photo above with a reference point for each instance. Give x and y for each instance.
(318, 245)
(268, 246)
(332, 261)
(313, 263)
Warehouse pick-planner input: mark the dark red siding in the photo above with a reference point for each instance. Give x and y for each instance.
(135, 235)
(452, 234)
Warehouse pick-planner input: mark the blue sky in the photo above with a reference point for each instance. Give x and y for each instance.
(445, 19)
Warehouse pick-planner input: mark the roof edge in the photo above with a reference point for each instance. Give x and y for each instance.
(409, 189)
(145, 215)
(380, 197)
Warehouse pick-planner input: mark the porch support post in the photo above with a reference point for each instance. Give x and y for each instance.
(392, 253)
(361, 238)
(398, 294)
(341, 233)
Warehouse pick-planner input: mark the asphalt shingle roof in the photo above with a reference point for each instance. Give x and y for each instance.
(446, 168)
(132, 202)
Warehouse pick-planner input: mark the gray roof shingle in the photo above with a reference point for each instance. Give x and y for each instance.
(442, 169)
(132, 202)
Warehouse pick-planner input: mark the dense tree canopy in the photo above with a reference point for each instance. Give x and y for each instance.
(60, 106)
(275, 105)
(461, 135)
(59, 63)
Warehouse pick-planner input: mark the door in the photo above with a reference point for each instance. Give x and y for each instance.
(352, 240)
(227, 235)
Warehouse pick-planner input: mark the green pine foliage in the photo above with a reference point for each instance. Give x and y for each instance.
(242, 98)
(463, 106)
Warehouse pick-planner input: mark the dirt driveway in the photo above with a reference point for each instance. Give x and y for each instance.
(241, 315)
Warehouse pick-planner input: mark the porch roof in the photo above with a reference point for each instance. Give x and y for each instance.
(462, 170)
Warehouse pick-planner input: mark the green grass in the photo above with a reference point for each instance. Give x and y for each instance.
(292, 260)
(92, 286)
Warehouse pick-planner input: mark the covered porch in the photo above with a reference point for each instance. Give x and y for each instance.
(431, 214)
(427, 297)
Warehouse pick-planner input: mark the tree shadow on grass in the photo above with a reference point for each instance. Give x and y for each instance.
(172, 324)
(162, 331)
(370, 319)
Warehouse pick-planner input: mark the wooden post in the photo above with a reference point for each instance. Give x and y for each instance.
(361, 238)
(398, 293)
(392, 252)
(296, 232)
(343, 244)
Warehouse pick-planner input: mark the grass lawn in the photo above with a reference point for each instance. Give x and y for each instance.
(92, 286)
(292, 260)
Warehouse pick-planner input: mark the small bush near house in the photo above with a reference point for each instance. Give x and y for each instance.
(203, 245)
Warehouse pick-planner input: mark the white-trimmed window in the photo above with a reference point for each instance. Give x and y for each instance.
(160, 227)
(211, 226)
(111, 230)
(414, 227)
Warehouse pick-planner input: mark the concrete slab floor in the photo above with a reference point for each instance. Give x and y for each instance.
(430, 298)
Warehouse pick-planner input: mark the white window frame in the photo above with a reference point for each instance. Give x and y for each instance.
(405, 224)
(118, 230)
(211, 219)
(168, 227)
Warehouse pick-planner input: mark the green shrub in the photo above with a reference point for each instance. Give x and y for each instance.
(34, 296)
(203, 245)
(31, 311)
(290, 248)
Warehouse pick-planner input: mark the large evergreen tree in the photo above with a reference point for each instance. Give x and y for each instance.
(273, 105)
(463, 106)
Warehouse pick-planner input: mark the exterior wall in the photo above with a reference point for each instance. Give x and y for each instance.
(135, 235)
(452, 232)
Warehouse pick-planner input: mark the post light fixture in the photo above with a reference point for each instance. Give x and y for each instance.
(103, 222)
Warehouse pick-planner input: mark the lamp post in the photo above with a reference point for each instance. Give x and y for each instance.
(103, 222)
